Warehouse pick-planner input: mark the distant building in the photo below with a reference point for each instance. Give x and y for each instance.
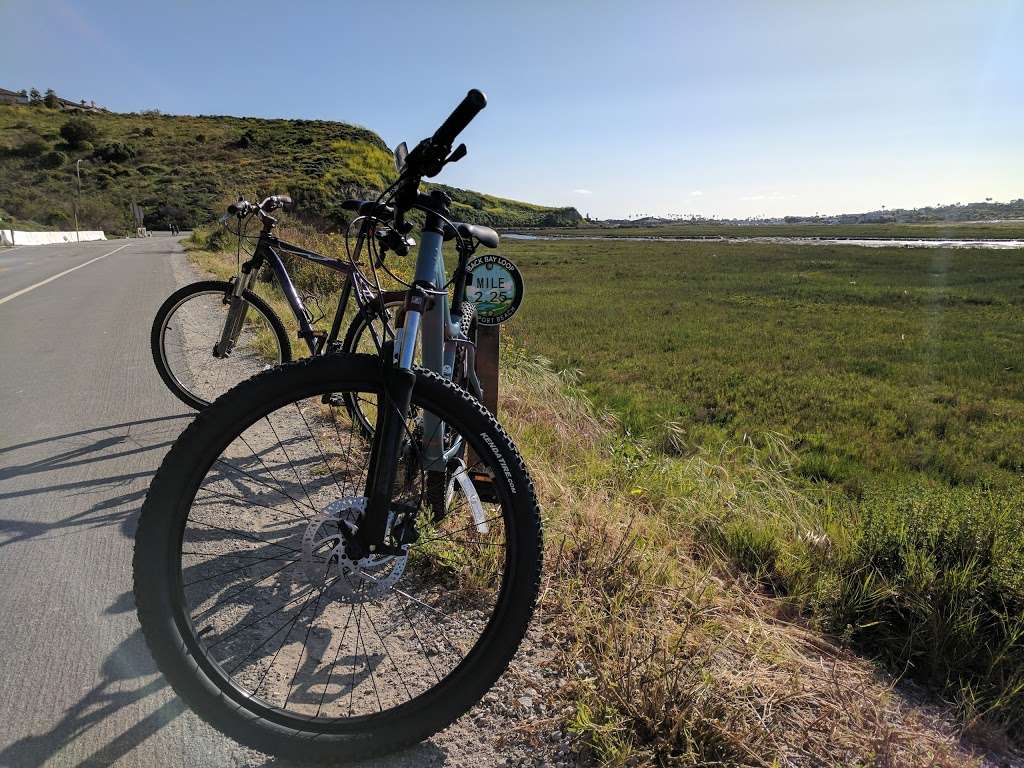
(12, 97)
(79, 106)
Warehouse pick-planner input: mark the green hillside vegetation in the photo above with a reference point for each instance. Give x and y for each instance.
(188, 168)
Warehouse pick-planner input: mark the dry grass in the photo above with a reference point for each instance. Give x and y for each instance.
(668, 660)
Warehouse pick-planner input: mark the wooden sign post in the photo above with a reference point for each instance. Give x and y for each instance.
(488, 348)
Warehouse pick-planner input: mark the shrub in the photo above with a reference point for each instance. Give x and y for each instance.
(247, 139)
(53, 159)
(58, 218)
(50, 100)
(115, 152)
(148, 131)
(78, 130)
(33, 147)
(200, 138)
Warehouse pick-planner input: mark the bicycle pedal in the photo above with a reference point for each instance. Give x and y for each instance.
(333, 398)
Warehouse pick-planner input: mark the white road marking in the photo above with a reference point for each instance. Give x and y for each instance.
(16, 294)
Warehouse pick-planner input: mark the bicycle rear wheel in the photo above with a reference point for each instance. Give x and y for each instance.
(189, 324)
(254, 609)
(364, 337)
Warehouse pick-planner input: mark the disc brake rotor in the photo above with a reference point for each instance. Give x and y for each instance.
(324, 558)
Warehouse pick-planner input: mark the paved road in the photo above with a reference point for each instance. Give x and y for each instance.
(84, 422)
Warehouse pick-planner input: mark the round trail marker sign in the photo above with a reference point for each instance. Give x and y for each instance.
(495, 285)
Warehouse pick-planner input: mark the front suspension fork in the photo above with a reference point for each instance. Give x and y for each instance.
(393, 406)
(236, 317)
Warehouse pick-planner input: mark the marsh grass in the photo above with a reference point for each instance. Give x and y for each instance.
(942, 230)
(842, 426)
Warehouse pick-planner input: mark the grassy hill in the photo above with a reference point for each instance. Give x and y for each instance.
(190, 167)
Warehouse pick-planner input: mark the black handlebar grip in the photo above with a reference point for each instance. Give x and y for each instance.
(233, 209)
(457, 121)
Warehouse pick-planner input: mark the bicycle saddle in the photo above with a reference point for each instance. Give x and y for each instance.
(487, 236)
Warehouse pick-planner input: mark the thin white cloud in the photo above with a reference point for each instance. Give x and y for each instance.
(772, 196)
(696, 193)
(582, 192)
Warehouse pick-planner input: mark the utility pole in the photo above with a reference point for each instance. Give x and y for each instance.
(78, 196)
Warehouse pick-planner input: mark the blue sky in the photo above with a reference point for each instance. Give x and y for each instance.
(721, 108)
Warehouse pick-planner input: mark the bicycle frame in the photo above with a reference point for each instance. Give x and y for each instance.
(436, 327)
(265, 252)
(426, 314)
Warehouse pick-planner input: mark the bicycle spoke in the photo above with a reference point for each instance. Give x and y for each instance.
(266, 485)
(369, 668)
(387, 653)
(319, 449)
(269, 472)
(225, 573)
(341, 644)
(416, 634)
(242, 591)
(288, 458)
(246, 536)
(302, 653)
(257, 620)
(251, 503)
(290, 624)
(448, 534)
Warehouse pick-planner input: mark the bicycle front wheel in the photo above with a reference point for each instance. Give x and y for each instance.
(258, 612)
(189, 324)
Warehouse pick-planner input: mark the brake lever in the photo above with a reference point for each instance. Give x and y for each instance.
(458, 154)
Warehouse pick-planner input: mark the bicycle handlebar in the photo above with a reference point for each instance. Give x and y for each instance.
(243, 207)
(460, 117)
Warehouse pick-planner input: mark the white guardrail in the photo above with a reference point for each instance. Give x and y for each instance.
(17, 237)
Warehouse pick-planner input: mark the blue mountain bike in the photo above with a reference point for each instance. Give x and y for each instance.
(341, 555)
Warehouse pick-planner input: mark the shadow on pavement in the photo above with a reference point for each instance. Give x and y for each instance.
(128, 662)
(125, 442)
(127, 678)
